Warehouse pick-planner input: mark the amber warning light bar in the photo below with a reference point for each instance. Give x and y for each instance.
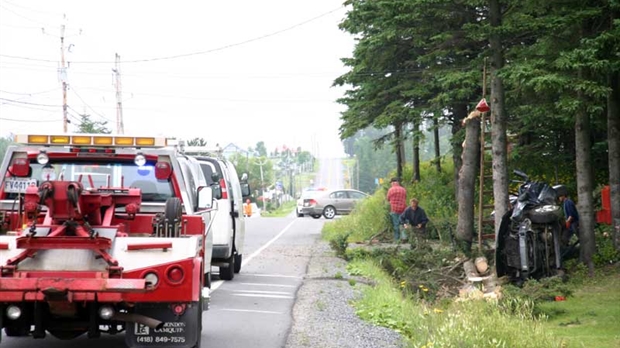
(103, 140)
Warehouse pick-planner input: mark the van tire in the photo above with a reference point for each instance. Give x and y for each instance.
(228, 272)
(207, 280)
(238, 261)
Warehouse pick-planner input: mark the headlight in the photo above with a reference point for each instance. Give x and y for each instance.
(13, 312)
(42, 158)
(106, 312)
(140, 160)
(151, 278)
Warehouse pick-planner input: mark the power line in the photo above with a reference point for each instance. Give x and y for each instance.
(87, 105)
(28, 121)
(144, 60)
(29, 103)
(24, 17)
(32, 9)
(28, 94)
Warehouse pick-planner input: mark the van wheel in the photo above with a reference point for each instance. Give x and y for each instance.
(238, 261)
(199, 321)
(316, 216)
(207, 280)
(228, 272)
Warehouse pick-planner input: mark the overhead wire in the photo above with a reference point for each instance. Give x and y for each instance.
(32, 9)
(87, 105)
(184, 55)
(28, 103)
(24, 17)
(29, 94)
(22, 120)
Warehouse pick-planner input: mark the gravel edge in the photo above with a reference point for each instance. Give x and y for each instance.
(323, 316)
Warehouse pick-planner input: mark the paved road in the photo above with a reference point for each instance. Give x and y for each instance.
(330, 173)
(252, 310)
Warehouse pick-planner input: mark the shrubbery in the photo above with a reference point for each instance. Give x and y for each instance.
(370, 218)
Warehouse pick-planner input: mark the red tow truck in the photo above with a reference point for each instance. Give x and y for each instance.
(104, 234)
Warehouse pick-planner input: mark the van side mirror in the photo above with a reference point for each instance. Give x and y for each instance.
(245, 189)
(244, 177)
(205, 197)
(217, 191)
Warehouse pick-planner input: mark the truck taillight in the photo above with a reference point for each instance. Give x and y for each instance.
(312, 202)
(175, 274)
(224, 189)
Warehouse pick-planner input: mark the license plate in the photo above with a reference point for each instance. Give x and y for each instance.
(18, 185)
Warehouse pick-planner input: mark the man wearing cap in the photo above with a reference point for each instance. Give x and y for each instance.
(397, 196)
(571, 214)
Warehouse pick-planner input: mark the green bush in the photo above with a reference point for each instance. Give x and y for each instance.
(371, 219)
(606, 253)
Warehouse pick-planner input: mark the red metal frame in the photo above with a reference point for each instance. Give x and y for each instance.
(147, 246)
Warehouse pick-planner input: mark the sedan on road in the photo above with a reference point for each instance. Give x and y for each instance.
(331, 203)
(307, 194)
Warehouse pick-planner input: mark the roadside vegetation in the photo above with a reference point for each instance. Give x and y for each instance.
(419, 291)
(283, 210)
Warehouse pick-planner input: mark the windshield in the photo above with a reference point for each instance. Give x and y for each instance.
(92, 175)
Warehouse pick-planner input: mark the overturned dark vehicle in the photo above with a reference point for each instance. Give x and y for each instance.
(529, 237)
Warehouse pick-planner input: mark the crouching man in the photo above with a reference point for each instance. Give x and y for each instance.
(415, 217)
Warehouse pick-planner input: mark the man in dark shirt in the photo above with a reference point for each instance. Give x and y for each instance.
(415, 217)
(572, 218)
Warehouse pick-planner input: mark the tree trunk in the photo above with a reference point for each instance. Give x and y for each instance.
(416, 151)
(398, 142)
(583, 145)
(613, 139)
(437, 149)
(459, 112)
(467, 182)
(498, 117)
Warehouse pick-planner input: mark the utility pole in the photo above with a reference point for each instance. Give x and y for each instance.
(357, 172)
(63, 77)
(119, 100)
(262, 181)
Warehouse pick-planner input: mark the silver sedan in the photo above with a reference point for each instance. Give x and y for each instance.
(332, 203)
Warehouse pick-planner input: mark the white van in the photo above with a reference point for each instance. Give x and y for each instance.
(229, 222)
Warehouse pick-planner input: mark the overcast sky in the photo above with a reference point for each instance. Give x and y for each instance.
(275, 88)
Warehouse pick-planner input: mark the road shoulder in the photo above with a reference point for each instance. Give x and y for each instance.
(323, 315)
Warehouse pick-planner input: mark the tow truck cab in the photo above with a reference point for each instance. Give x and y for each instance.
(102, 233)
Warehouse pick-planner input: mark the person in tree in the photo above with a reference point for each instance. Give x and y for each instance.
(570, 213)
(415, 217)
(397, 197)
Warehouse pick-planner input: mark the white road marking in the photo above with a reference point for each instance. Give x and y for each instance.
(249, 311)
(274, 285)
(263, 292)
(266, 245)
(265, 296)
(216, 284)
(272, 275)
